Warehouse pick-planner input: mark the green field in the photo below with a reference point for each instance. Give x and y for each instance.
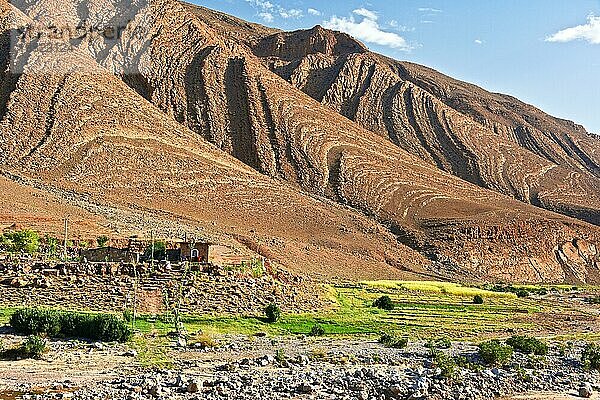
(422, 310)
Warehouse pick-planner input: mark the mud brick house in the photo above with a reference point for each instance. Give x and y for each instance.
(109, 254)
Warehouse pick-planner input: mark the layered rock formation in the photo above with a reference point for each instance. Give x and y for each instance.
(128, 122)
(492, 140)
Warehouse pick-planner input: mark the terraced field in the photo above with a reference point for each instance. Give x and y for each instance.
(417, 314)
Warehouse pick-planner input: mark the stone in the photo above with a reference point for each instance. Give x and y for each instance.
(193, 387)
(585, 390)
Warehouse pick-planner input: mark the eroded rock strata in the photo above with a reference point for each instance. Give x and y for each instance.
(194, 116)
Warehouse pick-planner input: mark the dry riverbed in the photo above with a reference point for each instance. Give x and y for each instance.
(260, 367)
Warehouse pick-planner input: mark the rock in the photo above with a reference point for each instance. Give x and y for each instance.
(130, 353)
(181, 341)
(193, 387)
(305, 388)
(585, 390)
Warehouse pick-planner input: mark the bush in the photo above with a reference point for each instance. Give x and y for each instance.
(160, 251)
(522, 293)
(317, 330)
(441, 343)
(35, 321)
(495, 353)
(33, 347)
(384, 303)
(102, 241)
(477, 299)
(26, 241)
(205, 342)
(445, 363)
(393, 341)
(272, 312)
(590, 357)
(280, 356)
(528, 345)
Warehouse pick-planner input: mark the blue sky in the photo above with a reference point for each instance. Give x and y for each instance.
(545, 52)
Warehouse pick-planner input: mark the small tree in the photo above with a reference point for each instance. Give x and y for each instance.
(52, 244)
(477, 299)
(272, 312)
(384, 303)
(317, 330)
(102, 241)
(23, 241)
(160, 251)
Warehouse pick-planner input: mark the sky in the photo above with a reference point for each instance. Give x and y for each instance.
(544, 52)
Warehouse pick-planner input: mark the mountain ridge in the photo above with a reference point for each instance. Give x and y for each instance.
(275, 153)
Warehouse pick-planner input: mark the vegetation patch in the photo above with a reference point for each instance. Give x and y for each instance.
(33, 347)
(384, 303)
(53, 323)
(495, 353)
(317, 330)
(454, 289)
(393, 341)
(272, 313)
(590, 357)
(528, 345)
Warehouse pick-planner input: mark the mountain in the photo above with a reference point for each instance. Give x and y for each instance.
(191, 120)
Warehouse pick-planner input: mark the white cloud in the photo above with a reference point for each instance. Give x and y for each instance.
(430, 10)
(266, 16)
(313, 11)
(589, 32)
(267, 10)
(292, 13)
(368, 14)
(262, 4)
(478, 41)
(367, 30)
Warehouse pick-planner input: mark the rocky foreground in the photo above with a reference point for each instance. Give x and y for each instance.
(289, 368)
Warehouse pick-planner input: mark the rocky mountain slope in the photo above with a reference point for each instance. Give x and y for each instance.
(125, 124)
(492, 140)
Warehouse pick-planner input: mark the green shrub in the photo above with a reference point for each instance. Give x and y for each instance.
(477, 299)
(128, 316)
(317, 330)
(441, 343)
(522, 293)
(35, 321)
(25, 241)
(384, 303)
(160, 251)
(590, 357)
(393, 341)
(280, 355)
(445, 363)
(102, 241)
(528, 345)
(33, 347)
(272, 312)
(495, 353)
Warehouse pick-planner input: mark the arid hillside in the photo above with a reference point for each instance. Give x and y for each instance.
(492, 140)
(181, 124)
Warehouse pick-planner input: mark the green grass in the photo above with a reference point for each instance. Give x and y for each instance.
(422, 310)
(454, 289)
